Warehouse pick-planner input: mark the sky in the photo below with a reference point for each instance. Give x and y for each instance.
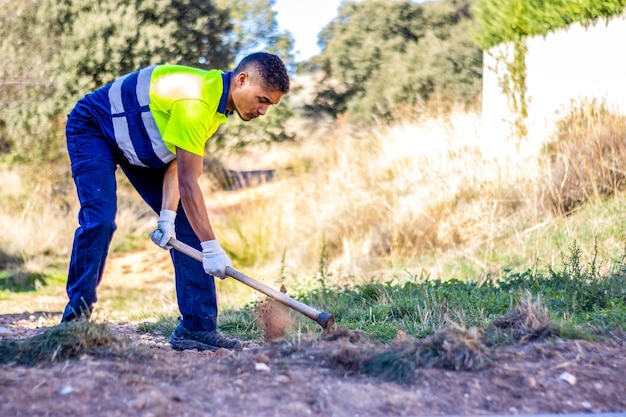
(305, 19)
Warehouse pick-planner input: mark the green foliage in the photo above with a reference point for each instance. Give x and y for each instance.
(28, 54)
(102, 40)
(511, 20)
(241, 324)
(163, 326)
(513, 84)
(387, 55)
(254, 29)
(14, 278)
(70, 47)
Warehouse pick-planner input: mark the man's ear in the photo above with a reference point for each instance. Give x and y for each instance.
(241, 79)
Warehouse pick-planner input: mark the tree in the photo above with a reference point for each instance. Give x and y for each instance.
(102, 40)
(66, 48)
(379, 55)
(27, 54)
(255, 28)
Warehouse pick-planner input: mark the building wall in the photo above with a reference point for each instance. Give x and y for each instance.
(567, 65)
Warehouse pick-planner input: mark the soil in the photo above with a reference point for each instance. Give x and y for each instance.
(309, 377)
(274, 319)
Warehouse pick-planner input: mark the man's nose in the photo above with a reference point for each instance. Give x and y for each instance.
(263, 109)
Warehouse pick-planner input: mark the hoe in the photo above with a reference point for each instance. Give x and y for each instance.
(326, 320)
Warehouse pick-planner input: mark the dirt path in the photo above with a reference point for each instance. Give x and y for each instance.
(305, 379)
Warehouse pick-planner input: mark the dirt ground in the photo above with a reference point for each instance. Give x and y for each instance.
(304, 379)
(308, 377)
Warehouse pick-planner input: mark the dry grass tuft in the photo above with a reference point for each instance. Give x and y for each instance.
(350, 356)
(453, 348)
(68, 341)
(528, 321)
(586, 159)
(354, 348)
(341, 332)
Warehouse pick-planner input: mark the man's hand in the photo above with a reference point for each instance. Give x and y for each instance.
(214, 259)
(165, 229)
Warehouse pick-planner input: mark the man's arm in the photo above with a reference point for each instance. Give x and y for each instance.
(169, 205)
(214, 259)
(189, 171)
(171, 194)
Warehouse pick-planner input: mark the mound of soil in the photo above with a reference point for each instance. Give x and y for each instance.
(320, 377)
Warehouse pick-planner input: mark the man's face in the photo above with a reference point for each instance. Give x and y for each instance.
(250, 99)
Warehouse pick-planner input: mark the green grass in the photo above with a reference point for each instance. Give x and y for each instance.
(578, 300)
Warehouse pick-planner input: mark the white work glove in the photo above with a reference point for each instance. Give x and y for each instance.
(165, 229)
(214, 259)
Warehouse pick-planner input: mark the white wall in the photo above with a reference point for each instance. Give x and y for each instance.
(570, 64)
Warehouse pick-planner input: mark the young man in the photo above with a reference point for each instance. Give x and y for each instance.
(154, 124)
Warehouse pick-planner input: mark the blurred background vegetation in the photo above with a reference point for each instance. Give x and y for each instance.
(378, 159)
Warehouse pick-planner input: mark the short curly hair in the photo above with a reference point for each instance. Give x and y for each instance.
(270, 68)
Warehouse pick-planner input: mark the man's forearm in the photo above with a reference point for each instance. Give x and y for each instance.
(171, 194)
(195, 209)
(189, 171)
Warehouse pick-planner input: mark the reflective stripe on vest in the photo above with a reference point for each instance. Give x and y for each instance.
(135, 130)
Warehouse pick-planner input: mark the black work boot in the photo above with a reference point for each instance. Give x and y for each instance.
(212, 340)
